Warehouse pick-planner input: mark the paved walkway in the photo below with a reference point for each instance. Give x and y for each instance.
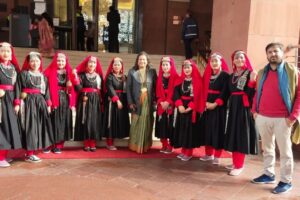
(136, 179)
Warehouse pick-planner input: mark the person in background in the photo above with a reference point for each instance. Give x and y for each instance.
(80, 29)
(189, 33)
(46, 40)
(113, 17)
(10, 131)
(34, 32)
(90, 34)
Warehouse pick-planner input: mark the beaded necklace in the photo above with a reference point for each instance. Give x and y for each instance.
(37, 75)
(238, 75)
(13, 75)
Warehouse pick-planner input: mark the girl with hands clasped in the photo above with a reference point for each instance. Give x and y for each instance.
(187, 97)
(116, 117)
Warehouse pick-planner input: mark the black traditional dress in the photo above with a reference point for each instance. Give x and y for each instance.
(116, 120)
(241, 134)
(10, 131)
(186, 133)
(89, 111)
(163, 123)
(214, 121)
(35, 120)
(62, 115)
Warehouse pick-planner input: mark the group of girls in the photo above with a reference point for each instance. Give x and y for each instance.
(212, 110)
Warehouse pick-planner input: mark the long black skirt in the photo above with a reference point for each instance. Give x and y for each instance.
(241, 135)
(36, 123)
(163, 126)
(186, 134)
(62, 119)
(116, 120)
(10, 130)
(213, 123)
(88, 122)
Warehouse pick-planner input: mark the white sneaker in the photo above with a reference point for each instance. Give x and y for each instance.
(33, 159)
(229, 167)
(111, 148)
(216, 161)
(236, 172)
(168, 151)
(186, 158)
(4, 163)
(9, 160)
(206, 158)
(180, 156)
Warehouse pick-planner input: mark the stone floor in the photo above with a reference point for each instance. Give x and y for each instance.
(136, 179)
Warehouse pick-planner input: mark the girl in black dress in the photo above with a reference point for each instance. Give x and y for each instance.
(165, 106)
(116, 111)
(241, 136)
(63, 100)
(187, 98)
(9, 126)
(214, 117)
(33, 104)
(88, 81)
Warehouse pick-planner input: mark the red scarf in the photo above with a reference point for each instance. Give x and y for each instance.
(160, 91)
(14, 60)
(206, 78)
(197, 88)
(51, 74)
(247, 63)
(110, 70)
(26, 65)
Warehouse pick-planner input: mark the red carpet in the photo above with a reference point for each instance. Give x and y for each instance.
(123, 152)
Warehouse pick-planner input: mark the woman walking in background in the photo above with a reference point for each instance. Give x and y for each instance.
(141, 99)
(46, 40)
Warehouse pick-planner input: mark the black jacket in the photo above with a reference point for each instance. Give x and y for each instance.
(134, 88)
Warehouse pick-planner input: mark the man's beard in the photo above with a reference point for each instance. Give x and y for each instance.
(273, 62)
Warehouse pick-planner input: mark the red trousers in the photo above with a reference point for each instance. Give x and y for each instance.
(238, 159)
(109, 142)
(29, 153)
(3, 154)
(165, 143)
(60, 145)
(90, 143)
(210, 151)
(187, 152)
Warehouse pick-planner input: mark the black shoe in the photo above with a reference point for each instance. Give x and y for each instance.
(56, 151)
(86, 149)
(93, 149)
